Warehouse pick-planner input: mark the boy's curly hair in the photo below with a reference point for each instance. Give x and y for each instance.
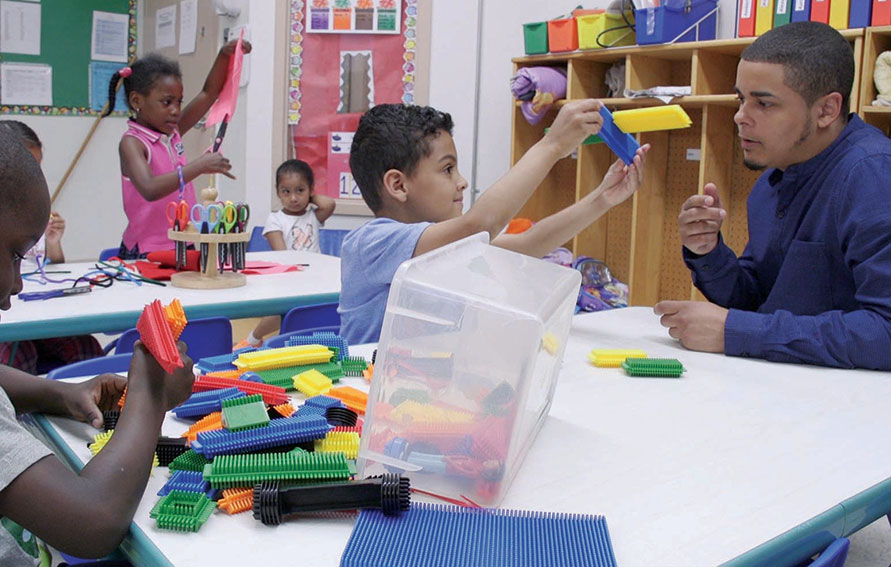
(392, 136)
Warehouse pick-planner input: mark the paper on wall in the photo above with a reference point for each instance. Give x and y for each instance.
(110, 36)
(26, 83)
(188, 26)
(165, 27)
(20, 27)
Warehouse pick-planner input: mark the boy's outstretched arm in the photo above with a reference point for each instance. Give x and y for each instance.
(56, 504)
(499, 203)
(216, 78)
(619, 183)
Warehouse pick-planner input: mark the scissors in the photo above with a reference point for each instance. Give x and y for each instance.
(209, 215)
(208, 218)
(243, 214)
(178, 216)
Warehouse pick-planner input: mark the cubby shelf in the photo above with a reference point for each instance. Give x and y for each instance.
(639, 239)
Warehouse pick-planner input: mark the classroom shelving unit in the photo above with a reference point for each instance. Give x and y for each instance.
(639, 239)
(877, 41)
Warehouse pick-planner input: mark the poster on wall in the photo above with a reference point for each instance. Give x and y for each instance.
(339, 174)
(355, 16)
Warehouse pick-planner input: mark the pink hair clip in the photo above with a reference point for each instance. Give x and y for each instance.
(125, 72)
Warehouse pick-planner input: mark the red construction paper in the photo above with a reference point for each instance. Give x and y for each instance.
(225, 103)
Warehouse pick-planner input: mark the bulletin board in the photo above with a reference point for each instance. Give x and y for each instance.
(65, 45)
(321, 118)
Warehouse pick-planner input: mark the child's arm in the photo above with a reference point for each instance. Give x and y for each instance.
(325, 206)
(276, 240)
(202, 102)
(54, 503)
(619, 183)
(134, 164)
(576, 121)
(54, 231)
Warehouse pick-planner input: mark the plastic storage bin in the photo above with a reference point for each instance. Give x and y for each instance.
(535, 38)
(563, 35)
(686, 20)
(592, 25)
(470, 349)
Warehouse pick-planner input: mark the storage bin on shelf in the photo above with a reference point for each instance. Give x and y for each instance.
(617, 32)
(563, 35)
(535, 38)
(471, 346)
(678, 20)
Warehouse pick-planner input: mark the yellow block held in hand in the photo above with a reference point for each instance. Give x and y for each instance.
(652, 119)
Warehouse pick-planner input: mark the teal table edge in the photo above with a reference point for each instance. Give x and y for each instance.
(136, 545)
(811, 537)
(117, 322)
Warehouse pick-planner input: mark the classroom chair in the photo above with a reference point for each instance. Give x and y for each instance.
(834, 555)
(205, 337)
(330, 241)
(108, 253)
(94, 366)
(258, 242)
(306, 320)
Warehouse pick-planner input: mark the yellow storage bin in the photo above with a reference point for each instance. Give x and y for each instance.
(592, 25)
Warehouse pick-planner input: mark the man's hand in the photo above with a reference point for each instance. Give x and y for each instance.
(700, 221)
(697, 324)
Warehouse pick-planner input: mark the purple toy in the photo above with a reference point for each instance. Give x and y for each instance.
(538, 88)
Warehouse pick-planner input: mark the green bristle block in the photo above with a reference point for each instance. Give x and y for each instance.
(188, 461)
(653, 367)
(182, 511)
(248, 412)
(353, 365)
(283, 377)
(227, 471)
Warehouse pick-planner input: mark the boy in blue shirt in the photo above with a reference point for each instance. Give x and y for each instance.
(812, 285)
(404, 161)
(87, 513)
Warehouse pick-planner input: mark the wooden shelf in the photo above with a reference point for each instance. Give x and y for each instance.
(639, 239)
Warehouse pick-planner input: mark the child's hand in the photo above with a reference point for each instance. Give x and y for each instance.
(55, 228)
(621, 181)
(212, 162)
(87, 400)
(576, 121)
(229, 48)
(172, 389)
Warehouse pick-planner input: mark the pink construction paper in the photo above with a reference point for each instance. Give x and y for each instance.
(258, 267)
(225, 103)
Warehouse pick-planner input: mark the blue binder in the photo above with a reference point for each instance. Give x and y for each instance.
(801, 10)
(861, 14)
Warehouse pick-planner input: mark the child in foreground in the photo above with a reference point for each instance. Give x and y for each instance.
(38, 493)
(404, 160)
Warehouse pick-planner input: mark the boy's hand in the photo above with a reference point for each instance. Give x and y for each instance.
(621, 181)
(229, 48)
(576, 121)
(700, 221)
(211, 162)
(55, 228)
(172, 389)
(87, 400)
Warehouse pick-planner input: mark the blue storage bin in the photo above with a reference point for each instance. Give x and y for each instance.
(676, 21)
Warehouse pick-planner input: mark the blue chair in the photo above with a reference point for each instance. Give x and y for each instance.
(108, 253)
(330, 241)
(258, 242)
(205, 337)
(834, 555)
(114, 363)
(305, 320)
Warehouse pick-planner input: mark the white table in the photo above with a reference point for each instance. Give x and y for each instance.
(118, 307)
(740, 461)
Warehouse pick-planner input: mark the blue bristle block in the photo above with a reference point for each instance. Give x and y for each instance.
(202, 403)
(478, 537)
(324, 402)
(217, 363)
(187, 481)
(285, 431)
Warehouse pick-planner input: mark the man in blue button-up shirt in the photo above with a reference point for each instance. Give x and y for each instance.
(814, 282)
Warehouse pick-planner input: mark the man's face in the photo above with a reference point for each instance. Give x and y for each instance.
(775, 123)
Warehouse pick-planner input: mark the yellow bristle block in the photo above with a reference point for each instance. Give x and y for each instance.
(283, 357)
(339, 442)
(651, 119)
(312, 383)
(613, 358)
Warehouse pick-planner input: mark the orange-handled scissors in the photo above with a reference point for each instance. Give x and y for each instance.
(178, 215)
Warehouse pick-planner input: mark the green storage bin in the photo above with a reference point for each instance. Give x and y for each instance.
(535, 36)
